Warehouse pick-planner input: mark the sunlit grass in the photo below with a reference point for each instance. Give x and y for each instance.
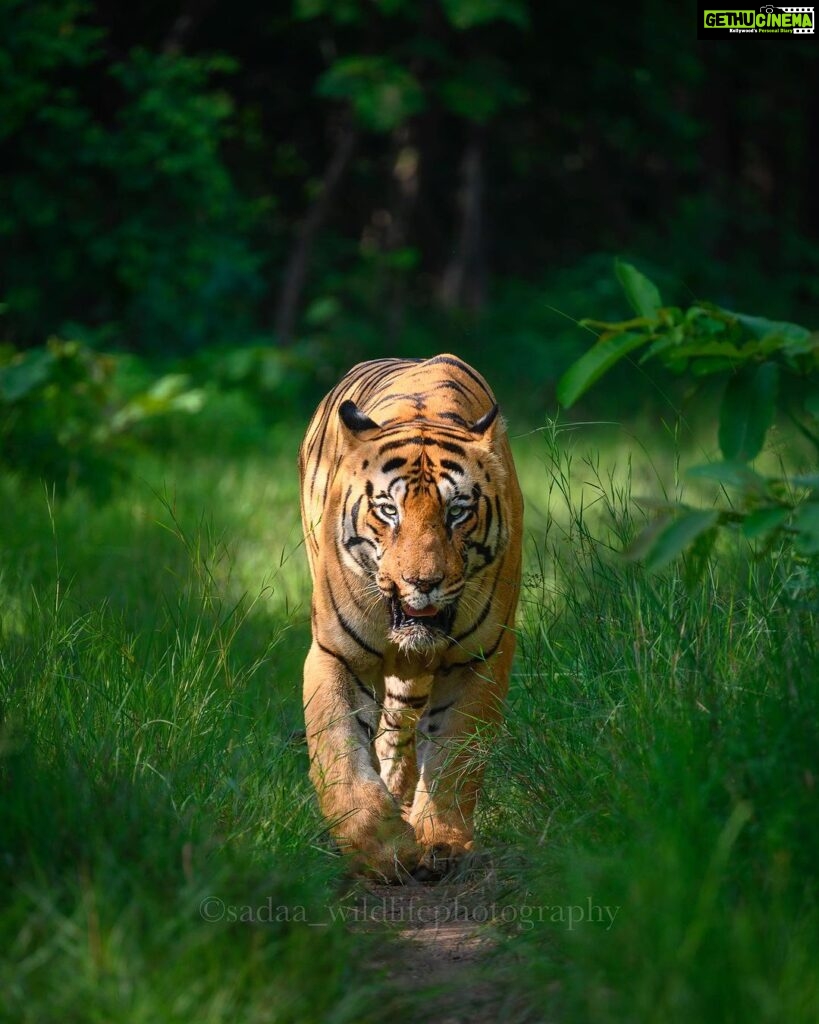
(659, 753)
(660, 759)
(150, 671)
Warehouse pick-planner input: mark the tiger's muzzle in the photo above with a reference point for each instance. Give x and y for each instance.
(422, 629)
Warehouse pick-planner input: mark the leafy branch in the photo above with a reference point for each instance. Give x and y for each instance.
(766, 364)
(64, 416)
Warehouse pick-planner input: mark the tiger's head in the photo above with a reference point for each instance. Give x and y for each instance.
(421, 514)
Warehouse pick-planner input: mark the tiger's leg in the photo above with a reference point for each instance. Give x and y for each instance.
(465, 707)
(364, 817)
(405, 699)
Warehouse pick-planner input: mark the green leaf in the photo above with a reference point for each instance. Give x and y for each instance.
(479, 90)
(647, 537)
(764, 521)
(168, 387)
(747, 411)
(19, 379)
(706, 311)
(730, 474)
(707, 347)
(676, 365)
(811, 404)
(166, 395)
(593, 364)
(643, 294)
(406, 258)
(761, 327)
(382, 93)
(671, 340)
(322, 311)
(343, 12)
(465, 14)
(616, 326)
(806, 524)
(661, 505)
(803, 346)
(677, 536)
(710, 365)
(696, 561)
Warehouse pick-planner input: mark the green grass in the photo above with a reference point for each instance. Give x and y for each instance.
(660, 756)
(150, 672)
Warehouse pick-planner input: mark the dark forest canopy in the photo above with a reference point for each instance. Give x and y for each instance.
(179, 175)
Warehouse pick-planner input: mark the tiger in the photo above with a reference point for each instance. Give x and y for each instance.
(412, 518)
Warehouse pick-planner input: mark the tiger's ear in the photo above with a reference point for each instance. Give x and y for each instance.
(355, 420)
(482, 426)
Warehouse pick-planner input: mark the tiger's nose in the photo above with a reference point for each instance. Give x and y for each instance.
(423, 583)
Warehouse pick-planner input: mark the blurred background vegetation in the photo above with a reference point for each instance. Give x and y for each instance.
(320, 182)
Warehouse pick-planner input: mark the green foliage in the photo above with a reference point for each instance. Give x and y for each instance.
(70, 414)
(381, 93)
(133, 220)
(347, 12)
(275, 380)
(755, 354)
(384, 93)
(155, 170)
(664, 541)
(478, 90)
(643, 294)
(594, 363)
(461, 14)
(747, 411)
(64, 417)
(464, 14)
(40, 38)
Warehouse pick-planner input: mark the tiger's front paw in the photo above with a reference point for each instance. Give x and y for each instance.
(391, 855)
(438, 860)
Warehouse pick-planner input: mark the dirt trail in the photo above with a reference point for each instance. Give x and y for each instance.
(446, 945)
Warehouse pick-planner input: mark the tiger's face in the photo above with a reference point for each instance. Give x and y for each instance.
(422, 515)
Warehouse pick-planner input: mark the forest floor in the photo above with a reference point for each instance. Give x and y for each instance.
(445, 948)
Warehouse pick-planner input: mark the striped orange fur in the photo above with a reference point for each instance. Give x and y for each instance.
(412, 519)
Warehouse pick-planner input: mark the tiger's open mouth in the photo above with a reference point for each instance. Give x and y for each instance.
(435, 623)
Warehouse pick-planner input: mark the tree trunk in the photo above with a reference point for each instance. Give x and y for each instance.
(464, 280)
(298, 264)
